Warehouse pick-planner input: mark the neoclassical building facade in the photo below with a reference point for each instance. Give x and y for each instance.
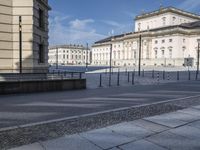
(69, 55)
(168, 38)
(34, 14)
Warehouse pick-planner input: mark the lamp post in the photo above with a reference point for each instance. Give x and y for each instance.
(198, 40)
(87, 58)
(20, 44)
(110, 71)
(140, 50)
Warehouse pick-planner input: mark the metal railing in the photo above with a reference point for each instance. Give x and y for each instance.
(55, 75)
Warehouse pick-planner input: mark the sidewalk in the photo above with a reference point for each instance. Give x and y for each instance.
(178, 130)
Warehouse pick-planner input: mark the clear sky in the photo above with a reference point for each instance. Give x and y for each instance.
(82, 21)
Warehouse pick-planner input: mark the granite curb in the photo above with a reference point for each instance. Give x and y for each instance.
(42, 131)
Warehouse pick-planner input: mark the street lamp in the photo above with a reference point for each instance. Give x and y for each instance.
(110, 62)
(198, 40)
(140, 50)
(87, 58)
(20, 44)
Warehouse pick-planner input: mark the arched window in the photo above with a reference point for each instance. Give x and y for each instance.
(170, 51)
(156, 52)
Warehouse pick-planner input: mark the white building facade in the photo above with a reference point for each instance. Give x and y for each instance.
(168, 38)
(69, 55)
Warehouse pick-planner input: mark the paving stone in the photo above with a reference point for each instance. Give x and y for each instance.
(149, 125)
(195, 124)
(170, 120)
(187, 131)
(73, 142)
(35, 146)
(191, 111)
(105, 138)
(141, 145)
(174, 142)
(196, 107)
(182, 116)
(130, 130)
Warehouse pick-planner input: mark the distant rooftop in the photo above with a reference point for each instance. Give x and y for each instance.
(192, 25)
(168, 9)
(68, 46)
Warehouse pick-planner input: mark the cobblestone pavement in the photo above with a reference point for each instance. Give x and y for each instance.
(178, 130)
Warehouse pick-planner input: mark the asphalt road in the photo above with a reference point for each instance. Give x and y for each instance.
(30, 108)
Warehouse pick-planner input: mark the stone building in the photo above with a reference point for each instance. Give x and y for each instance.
(34, 15)
(168, 38)
(69, 55)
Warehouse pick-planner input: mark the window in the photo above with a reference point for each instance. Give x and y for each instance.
(163, 53)
(173, 20)
(183, 40)
(41, 18)
(170, 53)
(170, 40)
(163, 41)
(164, 21)
(41, 54)
(156, 54)
(156, 42)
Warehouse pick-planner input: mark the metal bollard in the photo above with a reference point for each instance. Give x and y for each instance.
(177, 75)
(118, 79)
(189, 75)
(100, 80)
(128, 77)
(163, 75)
(133, 78)
(153, 74)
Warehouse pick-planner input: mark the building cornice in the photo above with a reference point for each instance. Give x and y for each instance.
(166, 10)
(146, 34)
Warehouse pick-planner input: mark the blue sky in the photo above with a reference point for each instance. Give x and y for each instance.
(82, 21)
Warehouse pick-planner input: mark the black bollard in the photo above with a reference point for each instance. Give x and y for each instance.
(118, 79)
(163, 75)
(133, 78)
(196, 75)
(128, 77)
(100, 80)
(153, 74)
(189, 75)
(177, 75)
